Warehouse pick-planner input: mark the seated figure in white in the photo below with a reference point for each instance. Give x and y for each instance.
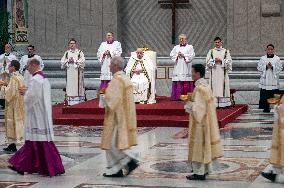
(140, 69)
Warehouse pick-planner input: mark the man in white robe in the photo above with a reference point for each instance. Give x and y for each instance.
(219, 64)
(182, 55)
(5, 60)
(269, 67)
(140, 71)
(39, 153)
(24, 61)
(73, 61)
(107, 50)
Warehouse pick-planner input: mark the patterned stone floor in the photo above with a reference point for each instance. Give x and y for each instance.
(163, 159)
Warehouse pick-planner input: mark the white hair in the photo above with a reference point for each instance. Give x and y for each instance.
(118, 61)
(182, 35)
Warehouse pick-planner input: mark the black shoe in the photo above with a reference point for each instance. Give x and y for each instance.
(132, 165)
(196, 177)
(269, 175)
(119, 174)
(266, 110)
(11, 148)
(18, 171)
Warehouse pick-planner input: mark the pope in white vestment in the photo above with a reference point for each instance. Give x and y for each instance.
(107, 50)
(39, 153)
(5, 60)
(182, 55)
(73, 61)
(24, 61)
(269, 67)
(219, 64)
(140, 70)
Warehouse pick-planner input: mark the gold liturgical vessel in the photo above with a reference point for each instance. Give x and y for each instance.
(275, 100)
(187, 97)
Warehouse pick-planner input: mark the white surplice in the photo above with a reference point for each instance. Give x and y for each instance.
(5, 60)
(182, 67)
(219, 77)
(24, 61)
(115, 50)
(38, 116)
(75, 88)
(143, 82)
(269, 79)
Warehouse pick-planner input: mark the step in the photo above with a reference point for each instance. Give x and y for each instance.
(149, 119)
(163, 106)
(142, 120)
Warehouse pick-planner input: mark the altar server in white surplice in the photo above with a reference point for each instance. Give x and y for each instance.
(5, 60)
(182, 55)
(269, 67)
(219, 64)
(107, 50)
(140, 70)
(24, 61)
(73, 61)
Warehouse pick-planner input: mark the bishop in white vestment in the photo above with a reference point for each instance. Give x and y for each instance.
(24, 61)
(73, 61)
(219, 64)
(140, 70)
(107, 50)
(39, 153)
(5, 60)
(182, 55)
(269, 67)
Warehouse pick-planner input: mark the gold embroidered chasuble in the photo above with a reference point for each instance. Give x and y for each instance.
(14, 111)
(277, 149)
(204, 136)
(120, 111)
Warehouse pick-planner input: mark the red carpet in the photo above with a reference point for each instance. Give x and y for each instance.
(165, 113)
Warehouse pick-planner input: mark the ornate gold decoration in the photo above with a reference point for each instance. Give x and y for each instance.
(186, 97)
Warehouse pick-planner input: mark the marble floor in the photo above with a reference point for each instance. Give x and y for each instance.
(163, 159)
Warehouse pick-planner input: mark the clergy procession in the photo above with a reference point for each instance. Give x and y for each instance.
(201, 88)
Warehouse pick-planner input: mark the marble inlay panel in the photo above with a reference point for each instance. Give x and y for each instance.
(177, 167)
(85, 185)
(87, 131)
(12, 184)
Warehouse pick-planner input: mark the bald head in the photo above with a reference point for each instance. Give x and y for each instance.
(33, 65)
(109, 36)
(139, 53)
(8, 48)
(182, 39)
(34, 61)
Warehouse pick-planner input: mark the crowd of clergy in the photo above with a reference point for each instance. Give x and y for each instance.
(26, 96)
